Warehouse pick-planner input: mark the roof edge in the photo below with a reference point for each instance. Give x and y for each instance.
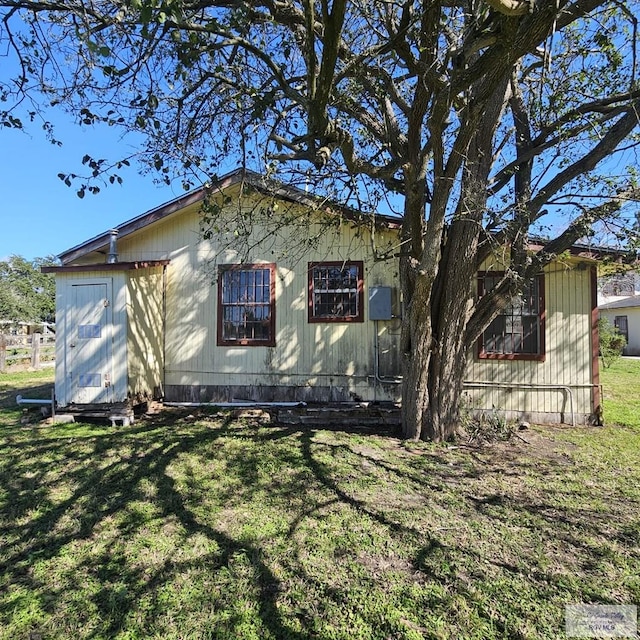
(286, 192)
(238, 176)
(623, 303)
(106, 266)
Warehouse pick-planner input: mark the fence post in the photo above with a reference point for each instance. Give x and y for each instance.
(35, 350)
(3, 353)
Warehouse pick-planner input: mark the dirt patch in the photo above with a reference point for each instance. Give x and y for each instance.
(538, 442)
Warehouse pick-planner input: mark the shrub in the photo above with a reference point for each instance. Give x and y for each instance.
(612, 342)
(487, 426)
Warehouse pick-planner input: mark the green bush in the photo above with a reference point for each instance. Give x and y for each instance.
(612, 342)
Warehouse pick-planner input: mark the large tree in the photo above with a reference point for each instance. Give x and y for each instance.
(476, 119)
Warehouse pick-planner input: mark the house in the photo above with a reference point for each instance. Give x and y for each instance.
(619, 303)
(276, 312)
(624, 314)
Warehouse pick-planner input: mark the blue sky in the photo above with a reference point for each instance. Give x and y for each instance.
(40, 215)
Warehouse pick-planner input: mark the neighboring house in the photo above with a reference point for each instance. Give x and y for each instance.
(624, 314)
(299, 314)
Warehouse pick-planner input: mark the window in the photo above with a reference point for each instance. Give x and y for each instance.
(621, 323)
(246, 305)
(518, 332)
(336, 292)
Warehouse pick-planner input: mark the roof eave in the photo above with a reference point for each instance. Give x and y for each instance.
(258, 182)
(106, 266)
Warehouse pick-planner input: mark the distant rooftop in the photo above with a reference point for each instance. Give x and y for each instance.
(631, 301)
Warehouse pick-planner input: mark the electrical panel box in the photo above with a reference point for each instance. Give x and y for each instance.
(380, 303)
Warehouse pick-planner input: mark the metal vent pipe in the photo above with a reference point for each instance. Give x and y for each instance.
(112, 258)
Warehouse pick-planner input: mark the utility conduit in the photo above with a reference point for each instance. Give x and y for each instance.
(516, 385)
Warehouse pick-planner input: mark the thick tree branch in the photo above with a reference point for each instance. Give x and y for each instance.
(581, 227)
(609, 108)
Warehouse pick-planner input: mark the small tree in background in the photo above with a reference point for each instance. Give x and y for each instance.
(612, 342)
(27, 294)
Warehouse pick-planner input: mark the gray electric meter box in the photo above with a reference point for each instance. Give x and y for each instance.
(380, 303)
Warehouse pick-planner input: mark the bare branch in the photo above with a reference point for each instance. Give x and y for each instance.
(616, 134)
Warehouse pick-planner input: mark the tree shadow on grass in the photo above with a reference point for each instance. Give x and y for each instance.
(581, 530)
(106, 473)
(33, 520)
(157, 528)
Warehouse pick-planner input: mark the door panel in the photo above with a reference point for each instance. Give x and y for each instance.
(89, 347)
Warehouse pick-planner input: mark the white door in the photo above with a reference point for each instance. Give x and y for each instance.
(89, 343)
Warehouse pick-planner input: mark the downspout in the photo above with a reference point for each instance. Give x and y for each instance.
(20, 400)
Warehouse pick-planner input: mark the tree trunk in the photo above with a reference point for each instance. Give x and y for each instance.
(435, 371)
(441, 299)
(416, 284)
(452, 302)
(415, 388)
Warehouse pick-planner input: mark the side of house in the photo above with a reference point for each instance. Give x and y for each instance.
(279, 322)
(624, 314)
(295, 313)
(272, 324)
(109, 344)
(554, 376)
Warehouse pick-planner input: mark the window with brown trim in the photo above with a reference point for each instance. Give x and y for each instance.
(246, 305)
(336, 292)
(518, 333)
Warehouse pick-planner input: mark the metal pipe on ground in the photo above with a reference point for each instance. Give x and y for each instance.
(20, 400)
(542, 387)
(235, 405)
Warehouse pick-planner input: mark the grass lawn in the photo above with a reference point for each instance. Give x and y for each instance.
(195, 526)
(621, 383)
